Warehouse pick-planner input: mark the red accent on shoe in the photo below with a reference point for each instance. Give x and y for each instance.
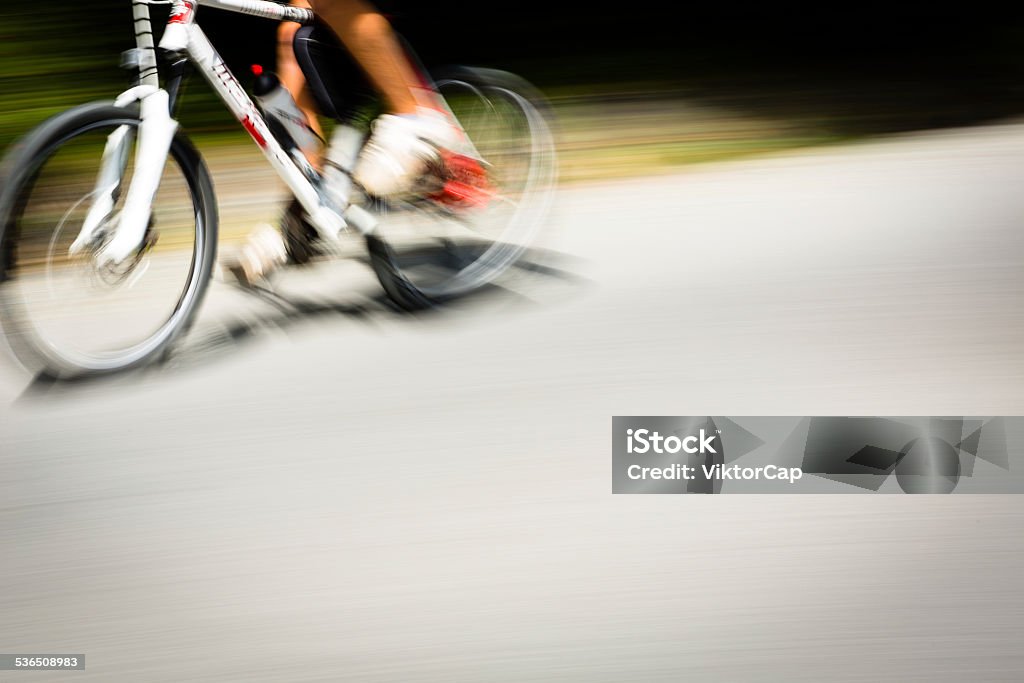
(467, 185)
(462, 194)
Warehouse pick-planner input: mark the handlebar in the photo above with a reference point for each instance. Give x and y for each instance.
(263, 9)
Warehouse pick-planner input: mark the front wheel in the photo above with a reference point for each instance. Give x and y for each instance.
(62, 313)
(487, 202)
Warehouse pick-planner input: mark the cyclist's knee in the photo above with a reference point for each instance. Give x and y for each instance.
(371, 23)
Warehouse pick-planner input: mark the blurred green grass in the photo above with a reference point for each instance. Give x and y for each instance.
(601, 135)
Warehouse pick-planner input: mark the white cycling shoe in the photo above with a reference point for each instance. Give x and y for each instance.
(268, 248)
(263, 252)
(400, 149)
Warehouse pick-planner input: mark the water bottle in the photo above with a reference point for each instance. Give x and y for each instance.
(284, 117)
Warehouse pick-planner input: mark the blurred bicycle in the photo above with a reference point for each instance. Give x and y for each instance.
(108, 216)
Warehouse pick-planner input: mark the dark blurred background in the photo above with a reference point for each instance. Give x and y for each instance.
(842, 70)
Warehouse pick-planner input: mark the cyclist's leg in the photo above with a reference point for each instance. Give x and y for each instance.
(404, 141)
(292, 78)
(373, 44)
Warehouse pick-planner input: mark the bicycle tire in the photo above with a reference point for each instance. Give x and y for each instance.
(18, 176)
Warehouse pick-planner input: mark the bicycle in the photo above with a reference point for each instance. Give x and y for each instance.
(76, 242)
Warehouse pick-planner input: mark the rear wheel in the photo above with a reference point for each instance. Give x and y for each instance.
(487, 203)
(65, 315)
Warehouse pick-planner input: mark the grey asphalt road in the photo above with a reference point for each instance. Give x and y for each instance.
(346, 493)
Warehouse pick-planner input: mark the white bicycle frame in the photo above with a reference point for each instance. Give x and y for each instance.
(328, 214)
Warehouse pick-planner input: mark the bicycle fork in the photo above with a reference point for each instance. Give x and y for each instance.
(156, 131)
